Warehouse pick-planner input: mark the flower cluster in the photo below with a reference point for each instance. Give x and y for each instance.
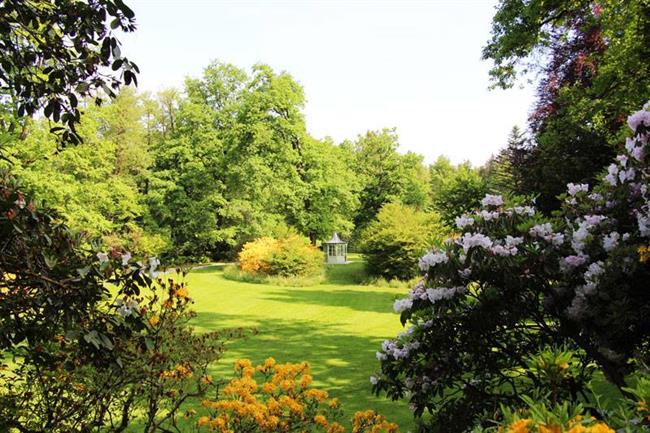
(369, 421)
(181, 371)
(576, 425)
(513, 271)
(272, 397)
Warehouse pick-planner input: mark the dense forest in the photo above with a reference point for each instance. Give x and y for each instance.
(194, 174)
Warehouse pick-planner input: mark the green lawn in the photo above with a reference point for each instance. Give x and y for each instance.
(336, 326)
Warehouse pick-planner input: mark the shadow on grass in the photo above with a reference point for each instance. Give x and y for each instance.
(341, 363)
(209, 268)
(353, 273)
(360, 300)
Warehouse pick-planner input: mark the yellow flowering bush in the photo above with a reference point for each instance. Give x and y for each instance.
(576, 425)
(253, 258)
(288, 256)
(272, 397)
(540, 417)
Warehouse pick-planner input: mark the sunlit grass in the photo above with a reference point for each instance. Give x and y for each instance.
(336, 326)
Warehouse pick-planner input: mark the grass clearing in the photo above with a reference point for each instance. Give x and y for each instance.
(336, 326)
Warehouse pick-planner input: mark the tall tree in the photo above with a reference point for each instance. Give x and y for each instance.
(378, 165)
(414, 177)
(506, 172)
(238, 161)
(53, 53)
(455, 189)
(592, 57)
(94, 185)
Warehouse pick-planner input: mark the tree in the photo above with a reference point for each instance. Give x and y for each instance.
(393, 242)
(455, 190)
(504, 172)
(54, 53)
(94, 185)
(378, 165)
(592, 60)
(414, 177)
(330, 197)
(238, 159)
(518, 285)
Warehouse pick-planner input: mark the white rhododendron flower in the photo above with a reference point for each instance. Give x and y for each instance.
(432, 259)
(541, 230)
(475, 240)
(573, 188)
(464, 221)
(492, 200)
(401, 305)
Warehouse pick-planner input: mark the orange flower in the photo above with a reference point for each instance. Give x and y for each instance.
(154, 320)
(547, 429)
(207, 379)
(306, 381)
(600, 428)
(522, 426)
(335, 428)
(240, 364)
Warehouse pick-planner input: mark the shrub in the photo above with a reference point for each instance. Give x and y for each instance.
(273, 397)
(517, 283)
(254, 256)
(395, 240)
(86, 357)
(288, 256)
(539, 417)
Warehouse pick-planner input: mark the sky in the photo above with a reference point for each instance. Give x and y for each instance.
(364, 65)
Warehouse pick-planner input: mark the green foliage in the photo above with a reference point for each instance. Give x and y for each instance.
(236, 157)
(330, 192)
(455, 190)
(503, 173)
(53, 54)
(541, 417)
(377, 165)
(385, 176)
(570, 290)
(400, 235)
(96, 184)
(83, 355)
(591, 56)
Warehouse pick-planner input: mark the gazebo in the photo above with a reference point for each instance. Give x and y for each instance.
(336, 251)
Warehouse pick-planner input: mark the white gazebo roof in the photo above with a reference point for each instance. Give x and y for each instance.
(335, 240)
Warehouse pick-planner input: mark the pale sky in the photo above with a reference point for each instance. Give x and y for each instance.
(364, 65)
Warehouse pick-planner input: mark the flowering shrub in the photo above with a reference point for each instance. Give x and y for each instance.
(540, 418)
(289, 256)
(254, 256)
(273, 397)
(515, 284)
(86, 358)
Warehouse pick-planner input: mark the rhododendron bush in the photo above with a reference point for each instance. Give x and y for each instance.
(90, 340)
(515, 284)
